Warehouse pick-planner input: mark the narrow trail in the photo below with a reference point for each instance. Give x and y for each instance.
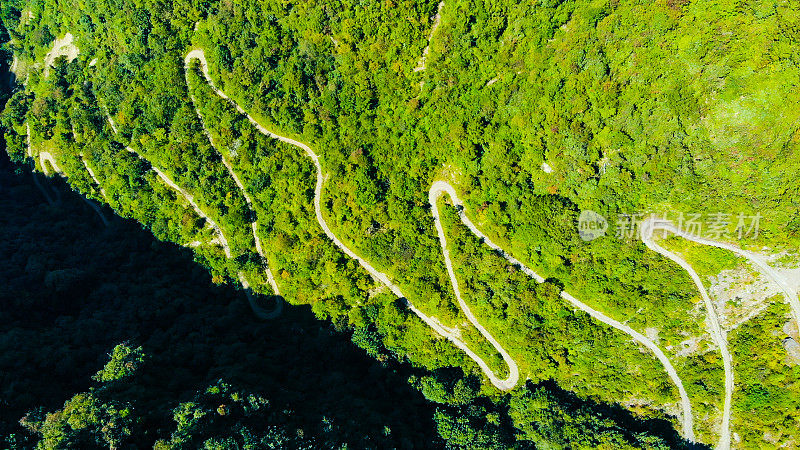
(94, 176)
(436, 20)
(647, 228)
(223, 241)
(258, 310)
(239, 184)
(110, 120)
(450, 334)
(440, 188)
(437, 190)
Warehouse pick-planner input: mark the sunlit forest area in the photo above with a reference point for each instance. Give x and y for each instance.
(632, 107)
(118, 338)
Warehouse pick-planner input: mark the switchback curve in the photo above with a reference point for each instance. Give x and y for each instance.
(450, 334)
(440, 188)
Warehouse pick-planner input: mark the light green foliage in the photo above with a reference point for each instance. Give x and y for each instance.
(447, 390)
(222, 418)
(90, 419)
(123, 362)
(458, 432)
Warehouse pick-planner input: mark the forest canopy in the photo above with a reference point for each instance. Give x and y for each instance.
(534, 113)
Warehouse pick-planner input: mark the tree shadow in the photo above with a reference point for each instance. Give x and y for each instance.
(74, 289)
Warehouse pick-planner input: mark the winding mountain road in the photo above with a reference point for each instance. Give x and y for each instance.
(437, 190)
(646, 229)
(237, 180)
(440, 188)
(450, 334)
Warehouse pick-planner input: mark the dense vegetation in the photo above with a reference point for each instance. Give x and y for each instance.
(197, 369)
(638, 106)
